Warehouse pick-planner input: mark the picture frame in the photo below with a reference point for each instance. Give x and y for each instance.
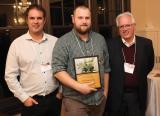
(87, 70)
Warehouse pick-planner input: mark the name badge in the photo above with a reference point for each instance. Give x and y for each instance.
(129, 68)
(45, 67)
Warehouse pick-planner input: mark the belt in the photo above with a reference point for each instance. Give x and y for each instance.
(46, 96)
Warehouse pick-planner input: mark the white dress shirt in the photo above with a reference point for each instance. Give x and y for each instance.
(129, 44)
(26, 58)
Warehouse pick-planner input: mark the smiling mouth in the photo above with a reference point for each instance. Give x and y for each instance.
(84, 25)
(126, 32)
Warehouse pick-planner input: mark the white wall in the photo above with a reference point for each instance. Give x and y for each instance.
(147, 15)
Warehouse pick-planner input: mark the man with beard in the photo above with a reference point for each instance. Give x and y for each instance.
(81, 99)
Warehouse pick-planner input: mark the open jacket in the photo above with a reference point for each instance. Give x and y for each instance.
(144, 62)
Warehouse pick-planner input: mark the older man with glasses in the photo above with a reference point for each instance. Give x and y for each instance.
(131, 59)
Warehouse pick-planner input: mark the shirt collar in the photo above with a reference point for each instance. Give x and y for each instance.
(129, 44)
(29, 37)
(74, 31)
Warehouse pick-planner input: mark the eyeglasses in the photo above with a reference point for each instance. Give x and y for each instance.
(127, 26)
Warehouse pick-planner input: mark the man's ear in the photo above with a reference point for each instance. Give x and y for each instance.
(45, 20)
(72, 16)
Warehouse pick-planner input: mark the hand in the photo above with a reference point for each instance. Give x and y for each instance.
(105, 94)
(29, 102)
(86, 88)
(59, 95)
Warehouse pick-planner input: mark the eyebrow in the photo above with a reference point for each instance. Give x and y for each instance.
(32, 17)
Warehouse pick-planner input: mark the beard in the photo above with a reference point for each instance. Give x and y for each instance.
(82, 30)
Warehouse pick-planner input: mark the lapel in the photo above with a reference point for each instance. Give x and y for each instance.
(138, 56)
(119, 51)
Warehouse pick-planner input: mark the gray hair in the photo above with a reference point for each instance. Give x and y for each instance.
(124, 14)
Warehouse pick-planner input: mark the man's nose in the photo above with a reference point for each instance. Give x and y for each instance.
(35, 20)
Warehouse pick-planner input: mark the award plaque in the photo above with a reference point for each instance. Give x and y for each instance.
(87, 70)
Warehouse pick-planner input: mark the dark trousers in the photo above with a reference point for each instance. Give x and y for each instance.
(47, 106)
(129, 107)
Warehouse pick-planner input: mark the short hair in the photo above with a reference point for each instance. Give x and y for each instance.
(125, 14)
(35, 6)
(81, 6)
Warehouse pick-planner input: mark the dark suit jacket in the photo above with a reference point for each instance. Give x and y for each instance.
(144, 64)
